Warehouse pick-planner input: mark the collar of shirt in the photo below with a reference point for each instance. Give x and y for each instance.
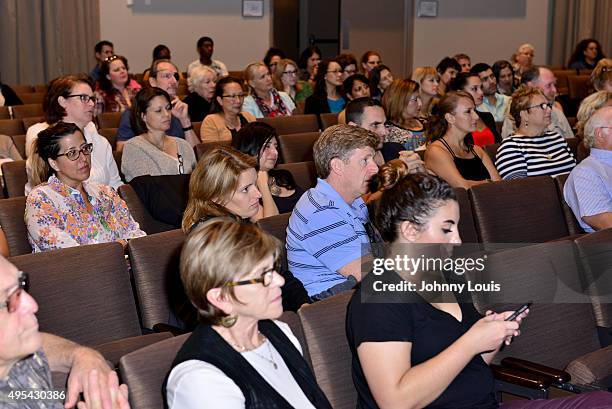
(603, 155)
(66, 190)
(331, 193)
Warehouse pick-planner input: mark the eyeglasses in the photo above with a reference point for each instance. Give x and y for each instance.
(12, 301)
(290, 72)
(181, 164)
(236, 96)
(83, 97)
(542, 106)
(168, 75)
(265, 279)
(74, 154)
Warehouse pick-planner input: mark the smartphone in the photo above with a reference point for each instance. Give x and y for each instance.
(519, 311)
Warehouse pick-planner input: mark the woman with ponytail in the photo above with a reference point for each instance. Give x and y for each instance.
(65, 209)
(451, 152)
(417, 349)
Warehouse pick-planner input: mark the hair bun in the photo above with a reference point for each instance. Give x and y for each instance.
(391, 173)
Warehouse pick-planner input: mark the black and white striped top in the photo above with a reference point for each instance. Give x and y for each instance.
(521, 156)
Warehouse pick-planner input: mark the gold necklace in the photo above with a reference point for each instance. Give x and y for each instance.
(242, 348)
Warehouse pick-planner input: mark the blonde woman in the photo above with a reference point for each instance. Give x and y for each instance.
(428, 80)
(285, 79)
(263, 99)
(402, 105)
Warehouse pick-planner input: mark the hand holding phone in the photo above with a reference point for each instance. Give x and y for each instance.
(519, 311)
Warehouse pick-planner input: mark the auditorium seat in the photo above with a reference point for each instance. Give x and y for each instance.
(111, 135)
(197, 126)
(297, 147)
(15, 178)
(27, 111)
(144, 371)
(31, 120)
(41, 88)
(277, 226)
(4, 112)
(32, 98)
(595, 251)
(84, 294)
(19, 141)
(202, 148)
(22, 89)
(11, 219)
(11, 127)
(573, 227)
(109, 119)
(578, 86)
(286, 125)
(491, 150)
(304, 173)
(573, 145)
(140, 213)
(324, 330)
(153, 259)
(560, 330)
(467, 228)
(328, 119)
(527, 210)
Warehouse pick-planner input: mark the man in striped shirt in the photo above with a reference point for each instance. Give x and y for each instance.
(588, 189)
(329, 230)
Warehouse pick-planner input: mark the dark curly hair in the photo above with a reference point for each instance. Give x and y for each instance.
(412, 197)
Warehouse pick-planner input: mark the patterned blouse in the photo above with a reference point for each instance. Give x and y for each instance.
(56, 216)
(115, 101)
(411, 139)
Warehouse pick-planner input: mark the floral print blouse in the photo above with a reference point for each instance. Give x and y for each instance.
(56, 216)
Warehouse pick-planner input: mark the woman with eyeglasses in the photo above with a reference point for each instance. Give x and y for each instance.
(327, 95)
(71, 99)
(486, 130)
(227, 116)
(240, 355)
(533, 150)
(348, 64)
(115, 89)
(402, 104)
(66, 209)
(153, 152)
(285, 78)
(264, 101)
(451, 153)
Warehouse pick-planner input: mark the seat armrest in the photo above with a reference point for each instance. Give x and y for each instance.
(162, 327)
(557, 376)
(520, 377)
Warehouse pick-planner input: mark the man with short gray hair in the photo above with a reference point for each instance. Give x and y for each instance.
(588, 189)
(330, 225)
(544, 79)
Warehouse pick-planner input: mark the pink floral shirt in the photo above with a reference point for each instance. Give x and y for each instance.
(56, 216)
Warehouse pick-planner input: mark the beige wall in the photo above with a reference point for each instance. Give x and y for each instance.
(137, 29)
(486, 30)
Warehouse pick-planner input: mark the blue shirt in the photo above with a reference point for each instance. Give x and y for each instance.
(125, 131)
(588, 189)
(500, 109)
(95, 73)
(336, 105)
(324, 234)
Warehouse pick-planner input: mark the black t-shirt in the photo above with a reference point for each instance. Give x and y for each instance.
(430, 331)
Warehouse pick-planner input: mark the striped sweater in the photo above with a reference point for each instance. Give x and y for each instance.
(521, 156)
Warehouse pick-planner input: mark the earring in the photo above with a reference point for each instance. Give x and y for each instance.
(228, 321)
(526, 123)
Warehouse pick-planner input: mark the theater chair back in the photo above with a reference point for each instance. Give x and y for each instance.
(15, 230)
(324, 329)
(518, 211)
(154, 260)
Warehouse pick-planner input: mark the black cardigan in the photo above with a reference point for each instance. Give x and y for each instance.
(205, 344)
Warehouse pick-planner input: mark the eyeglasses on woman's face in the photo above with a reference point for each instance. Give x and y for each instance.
(84, 98)
(543, 106)
(74, 154)
(264, 279)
